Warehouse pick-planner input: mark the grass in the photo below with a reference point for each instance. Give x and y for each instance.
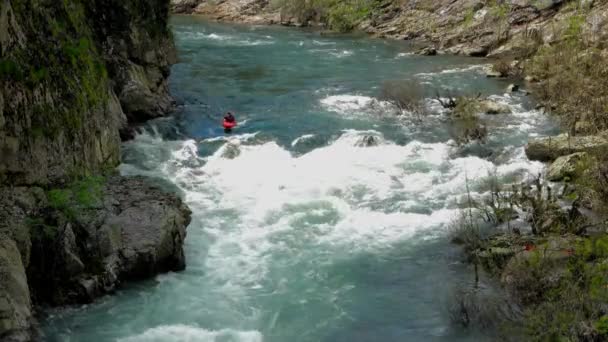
(83, 193)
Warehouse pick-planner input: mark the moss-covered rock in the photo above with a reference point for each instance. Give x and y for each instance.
(565, 166)
(64, 69)
(95, 234)
(551, 148)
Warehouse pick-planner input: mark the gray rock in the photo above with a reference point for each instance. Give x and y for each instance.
(512, 88)
(565, 166)
(15, 304)
(135, 231)
(368, 141)
(491, 72)
(551, 148)
(493, 107)
(428, 51)
(184, 6)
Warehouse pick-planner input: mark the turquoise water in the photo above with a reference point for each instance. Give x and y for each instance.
(302, 232)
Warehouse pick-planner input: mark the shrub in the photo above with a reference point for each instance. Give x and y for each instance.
(407, 95)
(574, 308)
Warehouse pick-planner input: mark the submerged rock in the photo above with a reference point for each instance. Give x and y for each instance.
(231, 151)
(551, 148)
(368, 141)
(565, 166)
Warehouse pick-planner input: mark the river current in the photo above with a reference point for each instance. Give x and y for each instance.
(325, 215)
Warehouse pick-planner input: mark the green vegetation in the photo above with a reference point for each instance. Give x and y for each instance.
(64, 62)
(341, 16)
(571, 307)
(558, 271)
(81, 194)
(574, 75)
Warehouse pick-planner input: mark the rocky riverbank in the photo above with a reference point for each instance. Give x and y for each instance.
(76, 76)
(473, 28)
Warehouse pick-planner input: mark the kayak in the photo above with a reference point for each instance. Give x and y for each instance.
(229, 125)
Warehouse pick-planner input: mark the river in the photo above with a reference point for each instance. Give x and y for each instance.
(300, 231)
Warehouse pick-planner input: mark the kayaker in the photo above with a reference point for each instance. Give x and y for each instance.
(229, 117)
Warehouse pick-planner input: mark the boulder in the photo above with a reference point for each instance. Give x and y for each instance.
(15, 304)
(428, 51)
(565, 166)
(490, 71)
(143, 229)
(493, 107)
(132, 231)
(550, 148)
(512, 88)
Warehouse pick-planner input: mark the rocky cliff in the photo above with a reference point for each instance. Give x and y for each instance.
(75, 75)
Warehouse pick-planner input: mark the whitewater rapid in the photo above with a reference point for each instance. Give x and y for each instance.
(325, 215)
(265, 210)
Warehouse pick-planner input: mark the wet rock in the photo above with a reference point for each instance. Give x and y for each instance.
(565, 166)
(493, 107)
(550, 148)
(512, 88)
(428, 51)
(15, 304)
(490, 71)
(368, 141)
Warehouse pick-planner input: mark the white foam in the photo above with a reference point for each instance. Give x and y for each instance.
(342, 53)
(187, 333)
(301, 139)
(229, 40)
(327, 197)
(405, 54)
(323, 43)
(450, 71)
(356, 105)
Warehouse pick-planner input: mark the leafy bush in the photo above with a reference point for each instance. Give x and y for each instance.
(407, 95)
(574, 307)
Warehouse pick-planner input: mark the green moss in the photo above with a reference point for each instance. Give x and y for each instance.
(10, 70)
(83, 193)
(601, 325)
(64, 61)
